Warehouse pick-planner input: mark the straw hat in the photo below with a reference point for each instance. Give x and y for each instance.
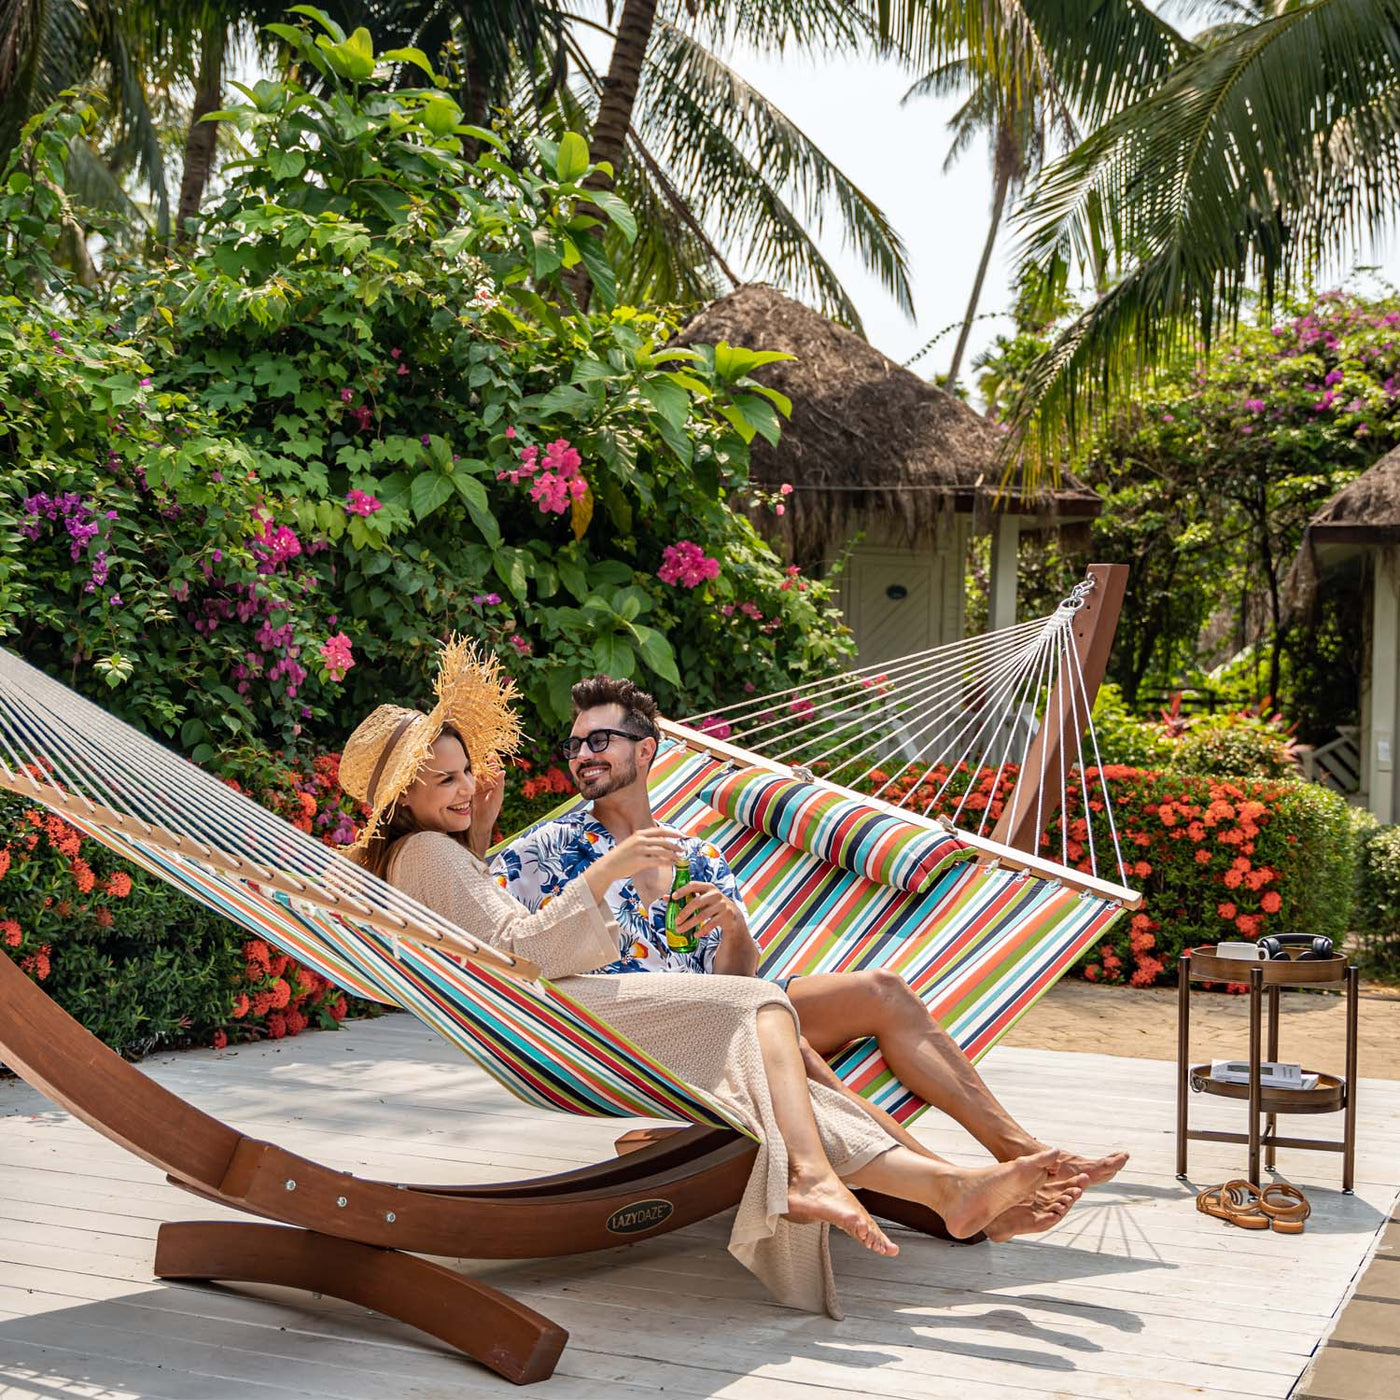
(385, 754)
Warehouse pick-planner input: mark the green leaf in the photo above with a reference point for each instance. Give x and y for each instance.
(762, 415)
(414, 56)
(511, 570)
(563, 398)
(617, 210)
(734, 362)
(613, 655)
(669, 400)
(571, 160)
(656, 652)
(430, 491)
(473, 494)
(600, 269)
(354, 58)
(441, 116)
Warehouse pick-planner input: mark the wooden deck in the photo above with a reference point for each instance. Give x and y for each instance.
(1135, 1297)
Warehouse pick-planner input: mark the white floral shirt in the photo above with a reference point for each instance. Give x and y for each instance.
(537, 866)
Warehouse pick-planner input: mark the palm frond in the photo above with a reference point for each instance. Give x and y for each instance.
(1272, 150)
(46, 46)
(773, 26)
(742, 161)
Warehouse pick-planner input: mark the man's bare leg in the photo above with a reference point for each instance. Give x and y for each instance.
(836, 1008)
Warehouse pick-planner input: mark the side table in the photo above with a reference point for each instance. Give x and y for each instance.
(1329, 1096)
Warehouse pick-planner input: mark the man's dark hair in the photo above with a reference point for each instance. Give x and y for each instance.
(638, 708)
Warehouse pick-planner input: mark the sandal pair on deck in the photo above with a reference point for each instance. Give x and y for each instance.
(1278, 1205)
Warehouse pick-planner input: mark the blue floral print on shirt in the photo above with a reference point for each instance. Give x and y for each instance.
(537, 866)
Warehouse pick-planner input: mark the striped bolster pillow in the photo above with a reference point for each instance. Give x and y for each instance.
(836, 829)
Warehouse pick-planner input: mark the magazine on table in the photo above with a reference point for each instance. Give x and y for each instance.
(1273, 1074)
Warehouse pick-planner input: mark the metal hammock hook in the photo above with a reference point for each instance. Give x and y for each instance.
(1078, 595)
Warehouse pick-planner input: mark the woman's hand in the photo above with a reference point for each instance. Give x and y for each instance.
(486, 807)
(642, 850)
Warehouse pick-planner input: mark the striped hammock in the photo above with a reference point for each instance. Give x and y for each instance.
(980, 947)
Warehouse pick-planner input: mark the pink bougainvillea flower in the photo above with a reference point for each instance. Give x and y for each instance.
(346, 395)
(522, 647)
(686, 564)
(335, 652)
(362, 503)
(785, 489)
(715, 727)
(801, 706)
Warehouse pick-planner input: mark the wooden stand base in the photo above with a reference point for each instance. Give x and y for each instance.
(512, 1340)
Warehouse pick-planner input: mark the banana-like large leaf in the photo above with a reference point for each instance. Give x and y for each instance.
(1274, 149)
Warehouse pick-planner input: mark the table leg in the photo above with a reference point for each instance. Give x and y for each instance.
(1256, 1008)
(1271, 1121)
(1183, 1057)
(1349, 1117)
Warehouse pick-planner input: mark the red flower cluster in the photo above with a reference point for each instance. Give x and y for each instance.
(553, 780)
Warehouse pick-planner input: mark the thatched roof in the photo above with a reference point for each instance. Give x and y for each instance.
(1366, 512)
(867, 439)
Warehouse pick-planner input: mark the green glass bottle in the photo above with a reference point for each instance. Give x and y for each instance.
(677, 941)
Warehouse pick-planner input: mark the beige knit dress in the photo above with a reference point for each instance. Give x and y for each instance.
(702, 1028)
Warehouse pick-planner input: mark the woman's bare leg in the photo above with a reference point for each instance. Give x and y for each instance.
(836, 1008)
(815, 1192)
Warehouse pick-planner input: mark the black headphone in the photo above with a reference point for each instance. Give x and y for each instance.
(1276, 947)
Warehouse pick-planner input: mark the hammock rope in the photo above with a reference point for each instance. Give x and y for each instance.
(969, 706)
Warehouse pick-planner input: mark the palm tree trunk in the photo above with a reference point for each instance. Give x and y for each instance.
(998, 208)
(202, 138)
(620, 86)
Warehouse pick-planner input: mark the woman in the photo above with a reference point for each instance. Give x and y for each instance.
(433, 781)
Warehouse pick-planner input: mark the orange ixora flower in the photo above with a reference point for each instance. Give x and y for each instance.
(14, 935)
(1272, 902)
(119, 884)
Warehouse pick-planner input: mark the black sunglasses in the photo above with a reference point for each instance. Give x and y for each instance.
(597, 741)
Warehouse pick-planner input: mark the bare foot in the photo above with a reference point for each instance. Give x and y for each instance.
(1097, 1169)
(1030, 1218)
(977, 1195)
(825, 1197)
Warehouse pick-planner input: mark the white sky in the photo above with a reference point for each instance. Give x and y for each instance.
(851, 108)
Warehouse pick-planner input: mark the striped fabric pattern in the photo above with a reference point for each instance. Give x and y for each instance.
(981, 947)
(857, 837)
(533, 1039)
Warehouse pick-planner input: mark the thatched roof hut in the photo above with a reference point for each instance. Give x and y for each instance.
(1366, 512)
(868, 440)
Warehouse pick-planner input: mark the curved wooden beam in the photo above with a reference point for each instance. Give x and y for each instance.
(514, 1341)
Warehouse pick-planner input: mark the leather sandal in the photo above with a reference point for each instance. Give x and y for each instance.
(1285, 1206)
(1236, 1202)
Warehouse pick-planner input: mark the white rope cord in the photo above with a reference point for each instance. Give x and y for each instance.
(915, 682)
(852, 677)
(972, 715)
(1037, 722)
(1103, 782)
(944, 700)
(1034, 701)
(1028, 692)
(1076, 701)
(150, 784)
(989, 714)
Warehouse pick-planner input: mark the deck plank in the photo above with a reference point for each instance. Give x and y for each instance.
(1096, 1309)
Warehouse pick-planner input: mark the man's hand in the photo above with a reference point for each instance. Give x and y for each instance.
(704, 908)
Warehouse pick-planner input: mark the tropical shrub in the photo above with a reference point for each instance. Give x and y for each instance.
(1239, 745)
(1376, 916)
(1126, 738)
(253, 488)
(1215, 858)
(138, 964)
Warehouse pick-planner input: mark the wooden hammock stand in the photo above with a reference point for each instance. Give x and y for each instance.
(357, 1239)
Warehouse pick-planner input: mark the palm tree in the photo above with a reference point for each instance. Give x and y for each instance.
(1017, 121)
(1272, 148)
(48, 46)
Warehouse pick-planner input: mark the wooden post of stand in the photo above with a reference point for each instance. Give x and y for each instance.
(1066, 717)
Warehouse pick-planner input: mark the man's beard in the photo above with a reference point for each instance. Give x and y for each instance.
(618, 776)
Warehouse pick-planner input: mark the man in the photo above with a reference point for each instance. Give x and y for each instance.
(612, 742)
